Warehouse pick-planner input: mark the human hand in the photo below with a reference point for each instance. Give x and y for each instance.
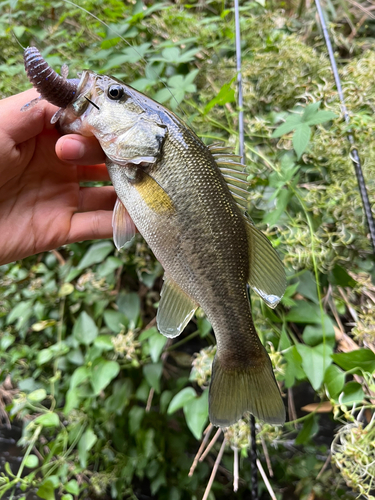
(42, 205)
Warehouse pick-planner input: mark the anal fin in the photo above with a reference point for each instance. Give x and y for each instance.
(175, 310)
(123, 226)
(267, 274)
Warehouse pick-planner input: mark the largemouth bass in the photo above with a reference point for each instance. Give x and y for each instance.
(188, 201)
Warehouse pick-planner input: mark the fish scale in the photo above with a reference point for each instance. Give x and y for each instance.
(170, 187)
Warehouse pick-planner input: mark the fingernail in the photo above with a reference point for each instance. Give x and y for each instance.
(72, 150)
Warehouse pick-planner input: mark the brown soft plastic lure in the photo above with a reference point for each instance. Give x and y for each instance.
(188, 201)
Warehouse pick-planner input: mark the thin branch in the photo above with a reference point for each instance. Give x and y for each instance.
(265, 479)
(213, 441)
(207, 433)
(214, 469)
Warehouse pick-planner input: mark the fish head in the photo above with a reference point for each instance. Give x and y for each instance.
(126, 123)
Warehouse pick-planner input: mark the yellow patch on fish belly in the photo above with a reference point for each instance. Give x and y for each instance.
(154, 195)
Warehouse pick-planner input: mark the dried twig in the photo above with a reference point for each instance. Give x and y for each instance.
(265, 479)
(212, 442)
(207, 434)
(214, 469)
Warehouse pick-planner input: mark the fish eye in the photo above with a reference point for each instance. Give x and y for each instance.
(115, 92)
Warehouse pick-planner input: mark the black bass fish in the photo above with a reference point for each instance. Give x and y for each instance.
(188, 201)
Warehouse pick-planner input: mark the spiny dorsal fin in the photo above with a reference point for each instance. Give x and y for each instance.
(175, 309)
(233, 172)
(267, 274)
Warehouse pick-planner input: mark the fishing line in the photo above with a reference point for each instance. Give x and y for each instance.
(354, 155)
(113, 30)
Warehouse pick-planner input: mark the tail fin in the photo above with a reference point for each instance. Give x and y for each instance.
(253, 389)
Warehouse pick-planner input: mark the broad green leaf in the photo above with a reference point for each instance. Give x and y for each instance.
(72, 401)
(85, 329)
(47, 490)
(292, 122)
(129, 304)
(79, 375)
(68, 496)
(315, 361)
(307, 286)
(310, 111)
(310, 427)
(32, 461)
(37, 396)
(225, 95)
(20, 312)
(85, 444)
(135, 419)
(104, 343)
(196, 414)
(6, 341)
(334, 380)
(352, 393)
(103, 372)
(282, 201)
(294, 366)
(122, 391)
(181, 398)
(304, 312)
(340, 277)
(301, 138)
(156, 344)
(314, 334)
(362, 359)
(72, 487)
(321, 117)
(152, 373)
(95, 254)
(115, 320)
(49, 419)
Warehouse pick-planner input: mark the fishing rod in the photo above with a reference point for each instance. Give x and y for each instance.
(253, 450)
(354, 155)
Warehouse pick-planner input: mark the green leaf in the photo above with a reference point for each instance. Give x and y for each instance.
(352, 393)
(307, 286)
(79, 375)
(6, 341)
(103, 372)
(294, 366)
(315, 361)
(321, 117)
(314, 334)
(291, 123)
(104, 343)
(32, 461)
(282, 201)
(225, 95)
(310, 427)
(310, 111)
(301, 138)
(334, 380)
(85, 329)
(363, 359)
(115, 320)
(47, 490)
(340, 277)
(49, 419)
(87, 441)
(181, 398)
(196, 414)
(20, 312)
(152, 373)
(304, 312)
(156, 343)
(129, 304)
(67, 497)
(96, 253)
(72, 487)
(37, 396)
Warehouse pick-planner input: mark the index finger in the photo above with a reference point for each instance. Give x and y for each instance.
(23, 125)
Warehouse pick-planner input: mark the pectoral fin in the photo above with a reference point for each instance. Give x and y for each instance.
(175, 310)
(154, 195)
(123, 226)
(267, 274)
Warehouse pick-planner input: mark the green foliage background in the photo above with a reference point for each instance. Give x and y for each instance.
(110, 408)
